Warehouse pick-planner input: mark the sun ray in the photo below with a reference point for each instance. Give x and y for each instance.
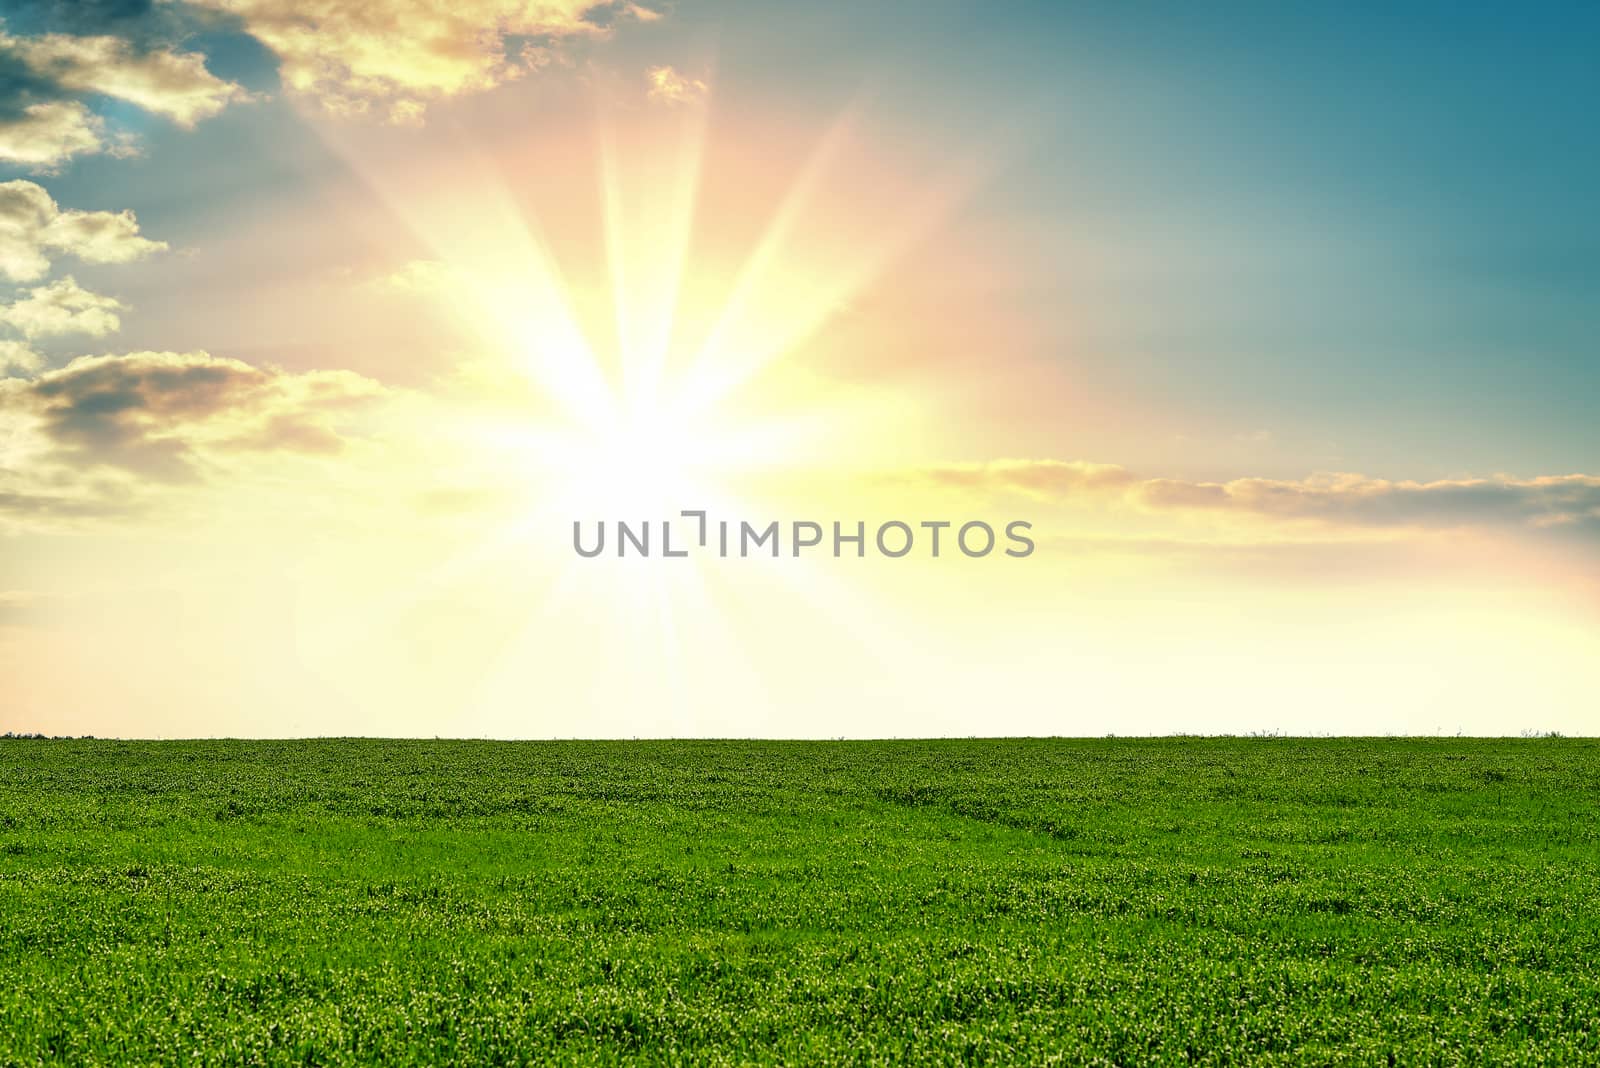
(773, 240)
(623, 309)
(737, 350)
(648, 225)
(655, 437)
(506, 287)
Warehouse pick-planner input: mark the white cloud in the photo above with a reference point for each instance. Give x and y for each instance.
(63, 307)
(16, 357)
(33, 229)
(44, 135)
(43, 123)
(174, 84)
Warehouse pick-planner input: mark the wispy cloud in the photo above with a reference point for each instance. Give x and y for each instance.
(1332, 499)
(414, 278)
(1041, 478)
(667, 86)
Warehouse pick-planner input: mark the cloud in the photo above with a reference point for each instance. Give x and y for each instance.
(354, 57)
(167, 416)
(1348, 499)
(45, 78)
(414, 278)
(63, 307)
(176, 85)
(394, 56)
(608, 14)
(16, 357)
(114, 502)
(33, 228)
(1337, 500)
(667, 86)
(43, 135)
(1037, 478)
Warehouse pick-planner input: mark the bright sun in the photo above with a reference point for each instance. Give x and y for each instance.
(643, 453)
(690, 386)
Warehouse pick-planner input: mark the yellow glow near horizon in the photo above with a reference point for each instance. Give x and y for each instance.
(670, 375)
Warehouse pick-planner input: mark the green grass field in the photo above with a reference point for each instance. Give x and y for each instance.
(1119, 901)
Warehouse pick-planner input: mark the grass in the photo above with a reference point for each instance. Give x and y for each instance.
(1213, 901)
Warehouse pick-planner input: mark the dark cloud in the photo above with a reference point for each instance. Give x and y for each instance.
(136, 20)
(119, 412)
(21, 87)
(160, 415)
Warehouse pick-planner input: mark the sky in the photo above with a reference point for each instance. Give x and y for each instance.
(324, 323)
